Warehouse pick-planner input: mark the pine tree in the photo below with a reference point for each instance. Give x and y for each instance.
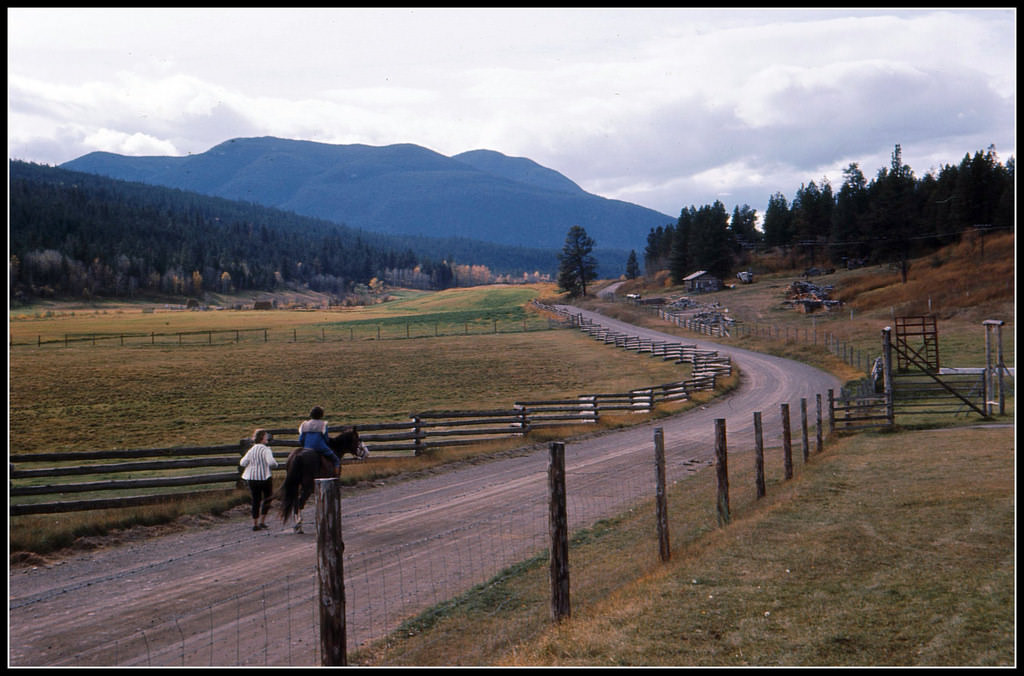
(576, 265)
(632, 266)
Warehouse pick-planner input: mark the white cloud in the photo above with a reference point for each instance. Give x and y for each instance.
(664, 107)
(128, 144)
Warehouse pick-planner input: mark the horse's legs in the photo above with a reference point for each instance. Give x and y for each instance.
(307, 490)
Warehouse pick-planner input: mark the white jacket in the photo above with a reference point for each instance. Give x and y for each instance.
(258, 462)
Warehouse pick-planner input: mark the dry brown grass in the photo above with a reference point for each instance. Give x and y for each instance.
(958, 281)
(885, 550)
(961, 285)
(142, 396)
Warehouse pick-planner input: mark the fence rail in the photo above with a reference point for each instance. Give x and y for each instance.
(423, 432)
(338, 332)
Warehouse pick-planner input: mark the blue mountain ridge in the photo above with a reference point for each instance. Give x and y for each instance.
(400, 189)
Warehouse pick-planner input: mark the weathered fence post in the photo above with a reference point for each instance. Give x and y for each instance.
(418, 434)
(803, 425)
(890, 412)
(330, 574)
(993, 381)
(664, 550)
(758, 455)
(722, 470)
(558, 530)
(831, 412)
(787, 445)
(817, 428)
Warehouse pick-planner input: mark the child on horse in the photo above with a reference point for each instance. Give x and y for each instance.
(313, 434)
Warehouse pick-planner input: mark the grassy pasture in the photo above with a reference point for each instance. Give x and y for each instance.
(410, 314)
(885, 550)
(86, 398)
(103, 397)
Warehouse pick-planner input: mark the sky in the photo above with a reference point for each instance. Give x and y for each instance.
(666, 108)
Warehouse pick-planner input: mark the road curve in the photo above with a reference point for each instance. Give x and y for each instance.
(223, 595)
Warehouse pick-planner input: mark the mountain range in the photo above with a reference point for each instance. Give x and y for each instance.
(401, 189)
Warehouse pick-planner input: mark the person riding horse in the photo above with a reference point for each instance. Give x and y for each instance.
(313, 434)
(305, 465)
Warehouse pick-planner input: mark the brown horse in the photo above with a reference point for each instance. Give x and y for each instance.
(305, 465)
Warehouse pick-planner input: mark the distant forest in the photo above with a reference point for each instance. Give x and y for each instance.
(892, 218)
(81, 235)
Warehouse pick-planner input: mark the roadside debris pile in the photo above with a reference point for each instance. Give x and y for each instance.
(808, 297)
(685, 303)
(704, 313)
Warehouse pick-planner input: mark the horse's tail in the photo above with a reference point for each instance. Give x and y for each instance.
(289, 492)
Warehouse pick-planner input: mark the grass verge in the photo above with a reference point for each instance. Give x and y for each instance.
(885, 550)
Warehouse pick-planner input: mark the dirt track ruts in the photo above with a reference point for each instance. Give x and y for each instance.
(92, 607)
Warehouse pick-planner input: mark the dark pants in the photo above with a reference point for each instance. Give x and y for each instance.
(261, 491)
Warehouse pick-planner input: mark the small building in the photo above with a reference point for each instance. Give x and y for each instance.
(702, 281)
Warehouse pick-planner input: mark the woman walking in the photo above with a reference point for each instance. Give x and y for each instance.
(258, 462)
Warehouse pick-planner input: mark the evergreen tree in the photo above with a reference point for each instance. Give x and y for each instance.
(811, 217)
(659, 248)
(710, 240)
(576, 266)
(632, 266)
(680, 261)
(743, 226)
(849, 239)
(894, 213)
(778, 229)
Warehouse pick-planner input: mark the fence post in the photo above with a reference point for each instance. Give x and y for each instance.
(831, 413)
(818, 426)
(330, 574)
(890, 412)
(803, 424)
(722, 470)
(787, 445)
(558, 530)
(417, 431)
(1001, 366)
(758, 455)
(664, 550)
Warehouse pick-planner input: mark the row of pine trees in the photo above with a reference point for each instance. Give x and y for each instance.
(892, 218)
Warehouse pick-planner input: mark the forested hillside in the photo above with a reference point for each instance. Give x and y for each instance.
(400, 189)
(83, 235)
(893, 218)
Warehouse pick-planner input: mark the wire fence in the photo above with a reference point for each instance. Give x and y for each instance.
(398, 568)
(390, 583)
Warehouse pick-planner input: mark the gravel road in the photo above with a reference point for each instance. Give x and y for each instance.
(220, 594)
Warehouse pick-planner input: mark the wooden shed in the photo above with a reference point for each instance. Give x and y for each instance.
(701, 281)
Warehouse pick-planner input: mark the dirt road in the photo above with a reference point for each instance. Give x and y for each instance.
(222, 594)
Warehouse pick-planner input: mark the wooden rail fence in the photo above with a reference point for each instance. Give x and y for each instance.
(177, 472)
